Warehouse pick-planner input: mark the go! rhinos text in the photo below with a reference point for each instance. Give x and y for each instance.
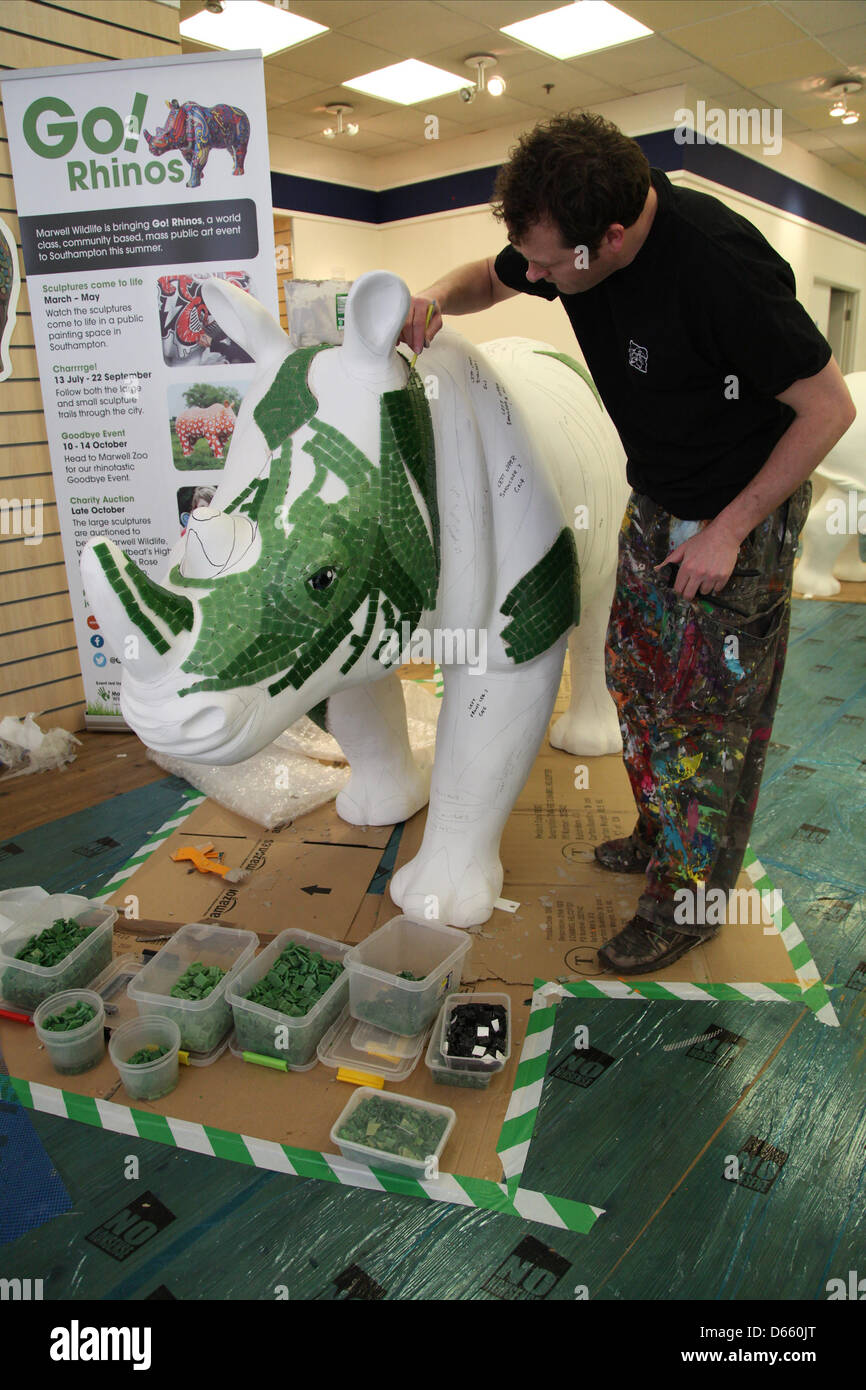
(103, 131)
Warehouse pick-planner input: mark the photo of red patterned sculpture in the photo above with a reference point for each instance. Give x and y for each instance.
(195, 130)
(215, 424)
(190, 335)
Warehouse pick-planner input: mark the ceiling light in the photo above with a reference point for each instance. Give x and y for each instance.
(340, 109)
(250, 24)
(496, 86)
(583, 27)
(838, 108)
(851, 118)
(407, 83)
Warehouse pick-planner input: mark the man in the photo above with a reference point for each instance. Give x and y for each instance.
(726, 398)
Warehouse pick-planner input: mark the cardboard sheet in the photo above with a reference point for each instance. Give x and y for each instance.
(315, 875)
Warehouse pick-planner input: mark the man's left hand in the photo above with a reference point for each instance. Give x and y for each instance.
(705, 560)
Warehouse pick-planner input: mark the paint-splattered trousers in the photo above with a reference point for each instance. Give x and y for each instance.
(696, 682)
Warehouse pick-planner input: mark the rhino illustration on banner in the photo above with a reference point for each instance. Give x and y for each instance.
(358, 503)
(195, 130)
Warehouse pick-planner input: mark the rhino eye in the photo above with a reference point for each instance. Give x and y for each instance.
(322, 579)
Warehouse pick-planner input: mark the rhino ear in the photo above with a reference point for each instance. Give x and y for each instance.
(376, 310)
(245, 320)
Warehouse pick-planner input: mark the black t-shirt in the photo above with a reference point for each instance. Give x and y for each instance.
(689, 346)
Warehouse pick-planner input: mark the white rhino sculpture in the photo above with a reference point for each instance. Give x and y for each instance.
(360, 508)
(837, 516)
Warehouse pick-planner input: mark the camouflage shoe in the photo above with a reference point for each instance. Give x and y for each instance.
(642, 947)
(626, 856)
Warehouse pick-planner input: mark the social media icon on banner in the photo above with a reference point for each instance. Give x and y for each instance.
(100, 659)
(97, 641)
(92, 622)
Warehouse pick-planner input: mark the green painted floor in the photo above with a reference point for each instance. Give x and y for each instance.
(672, 1103)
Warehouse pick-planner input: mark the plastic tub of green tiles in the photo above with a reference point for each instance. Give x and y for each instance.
(25, 984)
(146, 1080)
(203, 1023)
(380, 993)
(274, 1034)
(439, 1120)
(78, 1049)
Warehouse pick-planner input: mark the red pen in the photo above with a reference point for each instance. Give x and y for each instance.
(17, 1018)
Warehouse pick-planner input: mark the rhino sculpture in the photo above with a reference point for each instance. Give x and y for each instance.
(215, 423)
(195, 130)
(360, 509)
(837, 516)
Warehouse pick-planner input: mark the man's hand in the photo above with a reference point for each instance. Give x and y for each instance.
(705, 560)
(413, 332)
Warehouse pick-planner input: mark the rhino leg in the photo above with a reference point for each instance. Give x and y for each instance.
(489, 733)
(386, 785)
(589, 727)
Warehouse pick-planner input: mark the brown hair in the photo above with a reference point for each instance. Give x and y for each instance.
(578, 171)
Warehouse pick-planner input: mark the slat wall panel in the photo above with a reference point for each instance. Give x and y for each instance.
(21, 459)
(34, 612)
(37, 644)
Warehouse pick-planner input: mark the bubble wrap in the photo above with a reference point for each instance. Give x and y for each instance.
(286, 779)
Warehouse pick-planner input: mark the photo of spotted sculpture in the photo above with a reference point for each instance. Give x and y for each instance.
(363, 508)
(194, 130)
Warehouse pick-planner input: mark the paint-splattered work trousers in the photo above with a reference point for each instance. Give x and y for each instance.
(696, 682)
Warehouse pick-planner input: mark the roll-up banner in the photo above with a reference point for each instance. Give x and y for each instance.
(135, 182)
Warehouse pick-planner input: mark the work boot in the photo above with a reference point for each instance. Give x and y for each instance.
(627, 856)
(641, 947)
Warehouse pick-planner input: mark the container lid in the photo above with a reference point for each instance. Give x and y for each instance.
(376, 1051)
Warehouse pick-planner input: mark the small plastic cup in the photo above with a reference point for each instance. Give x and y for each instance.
(81, 1048)
(146, 1080)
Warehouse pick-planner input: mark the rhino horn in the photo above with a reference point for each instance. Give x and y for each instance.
(215, 540)
(142, 621)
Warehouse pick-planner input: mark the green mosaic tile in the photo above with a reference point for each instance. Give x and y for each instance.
(575, 367)
(289, 403)
(545, 603)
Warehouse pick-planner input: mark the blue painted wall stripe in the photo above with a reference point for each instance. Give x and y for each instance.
(473, 188)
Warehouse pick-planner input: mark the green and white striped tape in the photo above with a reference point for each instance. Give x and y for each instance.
(520, 1118)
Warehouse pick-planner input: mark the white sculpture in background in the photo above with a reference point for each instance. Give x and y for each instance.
(362, 510)
(837, 516)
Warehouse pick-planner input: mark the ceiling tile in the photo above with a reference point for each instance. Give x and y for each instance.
(812, 140)
(334, 57)
(284, 122)
(511, 58)
(649, 57)
(416, 27)
(571, 86)
(362, 143)
(804, 59)
(410, 124)
(664, 15)
(336, 14)
(705, 80)
(848, 45)
(282, 86)
(821, 16)
(485, 113)
(494, 15)
(747, 31)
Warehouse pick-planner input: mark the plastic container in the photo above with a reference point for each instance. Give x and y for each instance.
(146, 1080)
(392, 1163)
(81, 1048)
(376, 993)
(262, 1030)
(362, 1048)
(24, 985)
(203, 1023)
(474, 1073)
